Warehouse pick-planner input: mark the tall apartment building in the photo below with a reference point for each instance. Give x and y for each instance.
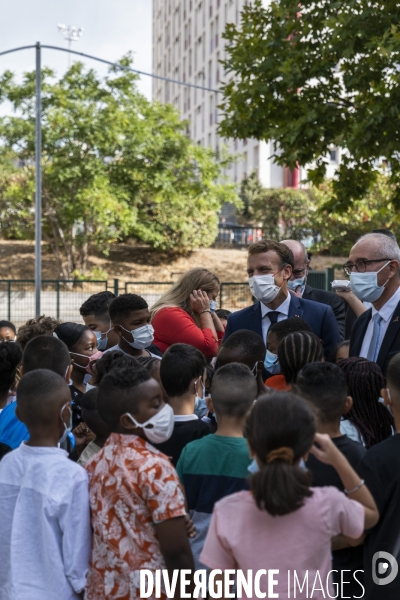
(187, 46)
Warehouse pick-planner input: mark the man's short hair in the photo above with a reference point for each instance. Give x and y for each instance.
(97, 305)
(181, 364)
(233, 390)
(122, 306)
(324, 386)
(117, 394)
(282, 328)
(46, 352)
(249, 343)
(388, 245)
(385, 232)
(284, 253)
(9, 325)
(38, 326)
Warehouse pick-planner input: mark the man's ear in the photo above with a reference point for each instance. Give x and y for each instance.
(210, 405)
(260, 367)
(348, 405)
(67, 375)
(287, 272)
(386, 398)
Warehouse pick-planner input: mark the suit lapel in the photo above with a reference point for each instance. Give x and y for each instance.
(360, 333)
(390, 335)
(254, 322)
(295, 309)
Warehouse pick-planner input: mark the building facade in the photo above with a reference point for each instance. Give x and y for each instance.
(188, 46)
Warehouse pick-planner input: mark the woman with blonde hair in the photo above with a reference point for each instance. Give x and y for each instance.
(186, 313)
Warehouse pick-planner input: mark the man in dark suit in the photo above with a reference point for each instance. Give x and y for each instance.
(269, 266)
(298, 284)
(373, 267)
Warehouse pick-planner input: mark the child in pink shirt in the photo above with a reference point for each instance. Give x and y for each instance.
(283, 523)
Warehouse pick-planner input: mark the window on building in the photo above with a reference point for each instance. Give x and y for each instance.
(333, 155)
(212, 38)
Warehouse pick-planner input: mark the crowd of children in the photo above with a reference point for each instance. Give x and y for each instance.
(117, 457)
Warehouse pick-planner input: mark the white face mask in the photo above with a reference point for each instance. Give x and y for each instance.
(365, 285)
(162, 422)
(67, 428)
(142, 336)
(102, 341)
(263, 288)
(213, 305)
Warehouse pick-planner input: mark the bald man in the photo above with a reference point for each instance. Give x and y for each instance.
(298, 285)
(374, 269)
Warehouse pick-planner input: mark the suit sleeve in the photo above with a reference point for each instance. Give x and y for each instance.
(330, 335)
(228, 330)
(339, 310)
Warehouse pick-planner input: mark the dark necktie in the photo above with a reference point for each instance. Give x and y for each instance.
(273, 316)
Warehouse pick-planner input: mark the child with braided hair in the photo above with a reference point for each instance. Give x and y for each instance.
(282, 522)
(296, 350)
(368, 421)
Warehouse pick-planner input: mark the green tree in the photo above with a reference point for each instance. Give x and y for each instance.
(281, 213)
(114, 165)
(312, 75)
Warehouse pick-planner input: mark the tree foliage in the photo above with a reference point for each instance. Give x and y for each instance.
(313, 75)
(114, 165)
(303, 214)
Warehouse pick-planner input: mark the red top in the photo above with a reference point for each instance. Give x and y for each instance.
(278, 383)
(172, 325)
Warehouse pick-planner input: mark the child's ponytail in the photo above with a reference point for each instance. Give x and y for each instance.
(280, 430)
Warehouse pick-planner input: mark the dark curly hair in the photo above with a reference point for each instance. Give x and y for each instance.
(97, 305)
(114, 359)
(117, 395)
(364, 383)
(124, 304)
(38, 326)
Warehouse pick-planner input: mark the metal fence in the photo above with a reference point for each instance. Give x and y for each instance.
(62, 299)
(59, 298)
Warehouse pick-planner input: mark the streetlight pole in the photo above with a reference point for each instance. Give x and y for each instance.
(38, 195)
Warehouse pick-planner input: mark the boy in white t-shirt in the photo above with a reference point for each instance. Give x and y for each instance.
(44, 500)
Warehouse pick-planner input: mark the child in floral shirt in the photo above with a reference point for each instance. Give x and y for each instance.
(137, 507)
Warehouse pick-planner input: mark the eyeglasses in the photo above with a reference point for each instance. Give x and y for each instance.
(361, 265)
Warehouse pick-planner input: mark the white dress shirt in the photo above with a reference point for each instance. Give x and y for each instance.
(266, 323)
(386, 312)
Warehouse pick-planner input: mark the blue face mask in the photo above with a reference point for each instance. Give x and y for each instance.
(101, 342)
(200, 405)
(293, 285)
(271, 363)
(67, 427)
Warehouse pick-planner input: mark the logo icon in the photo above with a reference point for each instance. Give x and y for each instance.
(385, 571)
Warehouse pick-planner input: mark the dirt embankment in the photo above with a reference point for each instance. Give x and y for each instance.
(140, 263)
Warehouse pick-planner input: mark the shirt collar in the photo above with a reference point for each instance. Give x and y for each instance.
(282, 308)
(388, 309)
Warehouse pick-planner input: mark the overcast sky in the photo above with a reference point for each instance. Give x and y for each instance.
(111, 29)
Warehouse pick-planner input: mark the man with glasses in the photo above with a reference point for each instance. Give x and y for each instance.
(373, 268)
(298, 285)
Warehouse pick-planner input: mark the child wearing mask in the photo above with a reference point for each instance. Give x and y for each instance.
(137, 506)
(82, 345)
(182, 374)
(96, 316)
(44, 501)
(130, 318)
(283, 523)
(217, 465)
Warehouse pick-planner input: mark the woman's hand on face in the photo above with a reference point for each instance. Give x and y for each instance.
(199, 301)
